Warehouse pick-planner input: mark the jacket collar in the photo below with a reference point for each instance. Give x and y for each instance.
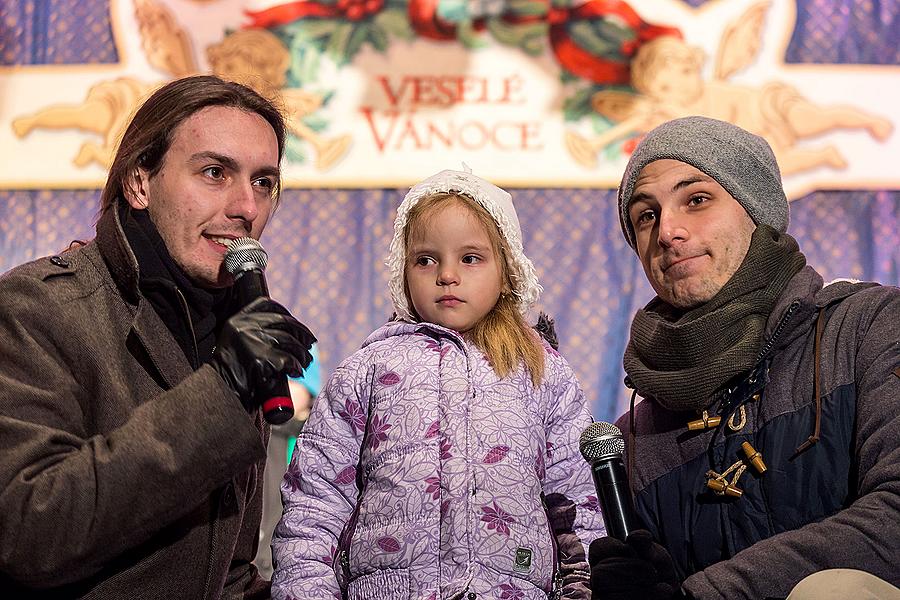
(114, 248)
(794, 309)
(146, 325)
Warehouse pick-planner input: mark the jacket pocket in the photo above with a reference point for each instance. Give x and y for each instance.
(389, 584)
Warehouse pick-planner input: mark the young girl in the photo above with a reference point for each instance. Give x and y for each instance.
(442, 459)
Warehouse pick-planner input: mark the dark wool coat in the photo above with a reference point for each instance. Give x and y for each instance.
(835, 505)
(124, 473)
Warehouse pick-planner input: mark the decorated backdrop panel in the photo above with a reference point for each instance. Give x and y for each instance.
(530, 93)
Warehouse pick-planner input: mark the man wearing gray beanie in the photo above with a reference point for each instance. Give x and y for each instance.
(764, 457)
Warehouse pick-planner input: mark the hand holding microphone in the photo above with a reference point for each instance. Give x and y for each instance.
(628, 563)
(260, 345)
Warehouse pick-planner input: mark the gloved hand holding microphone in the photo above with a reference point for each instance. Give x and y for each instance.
(260, 345)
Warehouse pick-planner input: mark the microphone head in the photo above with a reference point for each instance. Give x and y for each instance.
(601, 440)
(245, 254)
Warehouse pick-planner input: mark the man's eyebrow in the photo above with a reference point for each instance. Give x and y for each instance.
(638, 197)
(226, 161)
(691, 181)
(268, 171)
(687, 181)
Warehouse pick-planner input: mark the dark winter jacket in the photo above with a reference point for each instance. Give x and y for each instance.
(125, 473)
(836, 503)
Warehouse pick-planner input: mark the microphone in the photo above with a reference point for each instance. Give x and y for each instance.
(602, 446)
(246, 260)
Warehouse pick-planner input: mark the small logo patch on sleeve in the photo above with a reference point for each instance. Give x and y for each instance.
(522, 563)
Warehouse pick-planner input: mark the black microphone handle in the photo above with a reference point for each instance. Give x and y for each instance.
(278, 407)
(614, 496)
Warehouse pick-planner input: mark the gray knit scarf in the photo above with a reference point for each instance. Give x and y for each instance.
(681, 359)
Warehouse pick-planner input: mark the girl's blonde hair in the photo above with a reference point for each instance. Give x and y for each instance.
(502, 334)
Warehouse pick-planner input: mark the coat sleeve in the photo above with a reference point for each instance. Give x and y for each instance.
(320, 490)
(568, 488)
(866, 534)
(71, 500)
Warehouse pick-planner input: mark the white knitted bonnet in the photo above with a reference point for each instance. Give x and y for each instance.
(497, 202)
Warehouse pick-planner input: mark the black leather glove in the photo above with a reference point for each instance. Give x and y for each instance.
(259, 344)
(637, 569)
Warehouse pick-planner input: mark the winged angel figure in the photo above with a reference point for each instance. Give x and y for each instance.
(667, 75)
(254, 57)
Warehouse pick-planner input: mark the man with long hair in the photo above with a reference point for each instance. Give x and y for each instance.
(132, 440)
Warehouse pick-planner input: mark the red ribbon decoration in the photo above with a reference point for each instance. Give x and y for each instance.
(290, 12)
(579, 61)
(424, 20)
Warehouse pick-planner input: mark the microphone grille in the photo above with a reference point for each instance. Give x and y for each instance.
(245, 254)
(601, 439)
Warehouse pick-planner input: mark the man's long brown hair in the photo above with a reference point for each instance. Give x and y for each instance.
(502, 334)
(149, 135)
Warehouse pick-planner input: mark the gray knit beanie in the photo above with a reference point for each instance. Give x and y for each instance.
(741, 162)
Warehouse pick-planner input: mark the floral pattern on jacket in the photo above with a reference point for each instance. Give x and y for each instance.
(422, 475)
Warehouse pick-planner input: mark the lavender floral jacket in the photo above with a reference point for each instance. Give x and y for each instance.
(421, 475)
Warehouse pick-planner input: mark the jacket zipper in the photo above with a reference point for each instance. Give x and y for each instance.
(778, 329)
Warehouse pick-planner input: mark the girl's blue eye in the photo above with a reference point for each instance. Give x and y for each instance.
(470, 259)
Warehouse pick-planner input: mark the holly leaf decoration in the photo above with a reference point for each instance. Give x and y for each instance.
(378, 37)
(578, 105)
(304, 67)
(468, 37)
(529, 37)
(529, 8)
(338, 42)
(395, 22)
(293, 149)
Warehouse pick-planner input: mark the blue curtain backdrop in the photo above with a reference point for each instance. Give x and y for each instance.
(327, 246)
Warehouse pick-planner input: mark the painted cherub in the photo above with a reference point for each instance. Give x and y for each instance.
(109, 105)
(255, 57)
(667, 74)
(258, 59)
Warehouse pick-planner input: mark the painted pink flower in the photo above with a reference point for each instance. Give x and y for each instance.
(329, 560)
(497, 518)
(378, 433)
(445, 449)
(347, 475)
(433, 344)
(388, 544)
(591, 504)
(433, 487)
(354, 416)
(510, 592)
(496, 454)
(389, 378)
(540, 467)
(293, 478)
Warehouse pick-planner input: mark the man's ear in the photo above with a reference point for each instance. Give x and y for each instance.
(137, 189)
